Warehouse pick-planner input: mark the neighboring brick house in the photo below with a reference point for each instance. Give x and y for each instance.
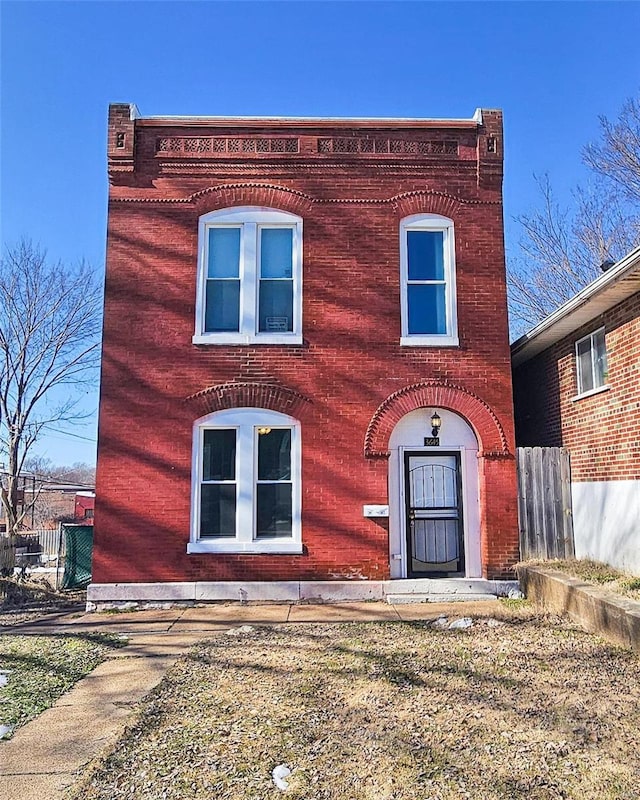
(288, 303)
(84, 507)
(55, 503)
(577, 385)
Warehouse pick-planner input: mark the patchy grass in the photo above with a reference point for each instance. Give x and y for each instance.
(595, 572)
(632, 585)
(516, 604)
(40, 669)
(529, 709)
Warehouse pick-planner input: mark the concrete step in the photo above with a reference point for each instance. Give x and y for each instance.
(415, 597)
(455, 586)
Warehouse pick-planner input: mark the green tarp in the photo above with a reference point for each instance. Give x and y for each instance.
(77, 562)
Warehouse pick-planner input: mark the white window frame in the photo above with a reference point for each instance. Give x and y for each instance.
(246, 421)
(250, 220)
(601, 387)
(429, 222)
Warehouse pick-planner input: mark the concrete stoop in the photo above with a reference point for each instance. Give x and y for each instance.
(397, 599)
(446, 590)
(613, 617)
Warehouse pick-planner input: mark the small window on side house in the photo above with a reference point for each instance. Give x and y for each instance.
(428, 281)
(591, 362)
(249, 277)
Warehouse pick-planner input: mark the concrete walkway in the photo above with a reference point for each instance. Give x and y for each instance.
(46, 756)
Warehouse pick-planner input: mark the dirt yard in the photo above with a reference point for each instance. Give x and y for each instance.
(525, 707)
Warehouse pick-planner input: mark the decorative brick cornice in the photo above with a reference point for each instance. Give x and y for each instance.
(323, 165)
(249, 394)
(378, 144)
(211, 146)
(225, 145)
(438, 394)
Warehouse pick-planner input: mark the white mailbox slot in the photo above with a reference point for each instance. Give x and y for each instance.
(375, 511)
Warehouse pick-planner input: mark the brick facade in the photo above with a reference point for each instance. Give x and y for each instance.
(352, 182)
(602, 431)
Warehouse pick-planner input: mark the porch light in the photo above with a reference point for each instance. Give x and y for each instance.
(436, 422)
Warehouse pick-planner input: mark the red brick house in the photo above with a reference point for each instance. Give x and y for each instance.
(84, 507)
(577, 385)
(288, 304)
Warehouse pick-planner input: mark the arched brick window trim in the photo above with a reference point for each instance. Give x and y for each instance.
(437, 394)
(251, 194)
(425, 202)
(249, 395)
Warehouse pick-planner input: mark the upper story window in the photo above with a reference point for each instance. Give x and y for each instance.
(428, 281)
(246, 475)
(591, 362)
(249, 277)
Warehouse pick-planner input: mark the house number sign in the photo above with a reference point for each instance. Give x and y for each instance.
(431, 441)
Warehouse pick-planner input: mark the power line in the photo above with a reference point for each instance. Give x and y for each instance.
(40, 478)
(74, 435)
(53, 481)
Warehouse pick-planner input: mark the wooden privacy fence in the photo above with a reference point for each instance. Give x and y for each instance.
(544, 502)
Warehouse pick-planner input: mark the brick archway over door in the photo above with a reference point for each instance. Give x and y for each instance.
(496, 465)
(437, 394)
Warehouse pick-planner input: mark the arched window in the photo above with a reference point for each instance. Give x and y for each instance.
(249, 287)
(428, 281)
(246, 492)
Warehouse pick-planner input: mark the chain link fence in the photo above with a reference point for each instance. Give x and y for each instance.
(61, 555)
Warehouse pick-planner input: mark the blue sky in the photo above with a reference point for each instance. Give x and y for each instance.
(553, 67)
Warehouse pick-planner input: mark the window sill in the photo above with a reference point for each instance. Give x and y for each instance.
(591, 392)
(429, 341)
(273, 546)
(242, 339)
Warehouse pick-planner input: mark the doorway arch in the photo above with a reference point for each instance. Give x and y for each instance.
(406, 445)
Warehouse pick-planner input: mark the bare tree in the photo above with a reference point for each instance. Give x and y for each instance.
(617, 156)
(44, 470)
(561, 251)
(49, 350)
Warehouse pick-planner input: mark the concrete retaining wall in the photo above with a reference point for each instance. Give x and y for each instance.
(613, 617)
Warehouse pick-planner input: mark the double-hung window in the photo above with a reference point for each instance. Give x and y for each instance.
(591, 361)
(246, 483)
(428, 281)
(249, 277)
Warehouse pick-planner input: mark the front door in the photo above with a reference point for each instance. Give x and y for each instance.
(433, 492)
